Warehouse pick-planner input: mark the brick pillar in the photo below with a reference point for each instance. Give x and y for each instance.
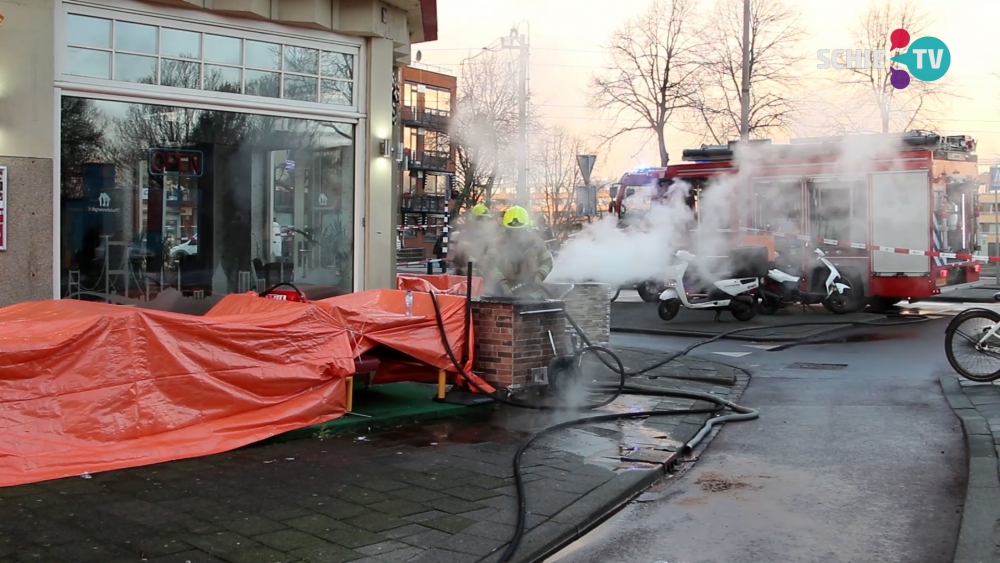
(590, 306)
(512, 340)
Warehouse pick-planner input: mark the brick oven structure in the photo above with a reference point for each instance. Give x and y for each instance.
(513, 344)
(590, 306)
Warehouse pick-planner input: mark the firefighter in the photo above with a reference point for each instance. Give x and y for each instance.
(519, 262)
(470, 243)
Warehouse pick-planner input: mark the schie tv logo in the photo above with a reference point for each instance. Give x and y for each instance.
(928, 59)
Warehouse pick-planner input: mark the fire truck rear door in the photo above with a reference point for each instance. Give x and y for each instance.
(901, 214)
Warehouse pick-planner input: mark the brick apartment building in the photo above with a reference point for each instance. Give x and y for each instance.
(428, 165)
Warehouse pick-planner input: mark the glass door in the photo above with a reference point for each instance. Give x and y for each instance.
(312, 195)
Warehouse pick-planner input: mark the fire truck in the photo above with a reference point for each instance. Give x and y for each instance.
(903, 225)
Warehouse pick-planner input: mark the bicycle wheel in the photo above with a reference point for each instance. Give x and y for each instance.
(960, 340)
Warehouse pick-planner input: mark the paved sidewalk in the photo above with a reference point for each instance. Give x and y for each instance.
(434, 493)
(978, 407)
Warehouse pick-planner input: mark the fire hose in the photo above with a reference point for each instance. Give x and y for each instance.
(739, 413)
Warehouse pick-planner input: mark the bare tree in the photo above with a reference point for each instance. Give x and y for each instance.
(774, 35)
(556, 176)
(83, 138)
(485, 125)
(877, 102)
(654, 64)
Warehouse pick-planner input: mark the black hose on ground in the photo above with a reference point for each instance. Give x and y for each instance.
(618, 390)
(741, 413)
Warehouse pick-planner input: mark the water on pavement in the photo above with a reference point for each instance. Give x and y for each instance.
(863, 463)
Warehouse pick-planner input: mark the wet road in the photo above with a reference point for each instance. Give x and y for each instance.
(857, 462)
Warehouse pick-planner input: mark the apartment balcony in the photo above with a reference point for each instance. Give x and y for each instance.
(425, 117)
(430, 160)
(423, 203)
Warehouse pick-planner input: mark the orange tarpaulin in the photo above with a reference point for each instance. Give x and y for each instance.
(441, 284)
(92, 387)
(376, 320)
(88, 387)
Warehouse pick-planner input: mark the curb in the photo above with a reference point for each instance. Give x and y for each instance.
(570, 524)
(950, 299)
(746, 336)
(338, 426)
(981, 513)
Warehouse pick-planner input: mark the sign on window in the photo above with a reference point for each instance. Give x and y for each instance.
(180, 162)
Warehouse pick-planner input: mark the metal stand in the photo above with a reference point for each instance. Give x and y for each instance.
(73, 286)
(246, 282)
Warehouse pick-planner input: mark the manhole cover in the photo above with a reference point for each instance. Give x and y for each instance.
(803, 365)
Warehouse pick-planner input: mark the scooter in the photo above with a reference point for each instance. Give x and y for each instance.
(781, 289)
(734, 295)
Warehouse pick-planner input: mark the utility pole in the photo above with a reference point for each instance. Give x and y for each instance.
(520, 42)
(745, 91)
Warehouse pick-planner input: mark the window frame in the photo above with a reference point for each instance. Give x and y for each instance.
(171, 18)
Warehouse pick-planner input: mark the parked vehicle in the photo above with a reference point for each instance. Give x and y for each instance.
(800, 192)
(733, 294)
(186, 248)
(781, 289)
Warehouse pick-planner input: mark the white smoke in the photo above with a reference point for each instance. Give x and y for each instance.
(605, 253)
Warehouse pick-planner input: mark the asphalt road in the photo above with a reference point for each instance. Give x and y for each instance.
(852, 463)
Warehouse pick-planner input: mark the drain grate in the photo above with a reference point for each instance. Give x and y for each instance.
(828, 367)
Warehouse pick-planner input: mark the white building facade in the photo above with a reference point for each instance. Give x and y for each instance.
(214, 146)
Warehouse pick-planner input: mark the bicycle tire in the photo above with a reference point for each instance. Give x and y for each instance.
(949, 337)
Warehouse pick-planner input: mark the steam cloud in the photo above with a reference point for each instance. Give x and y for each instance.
(605, 253)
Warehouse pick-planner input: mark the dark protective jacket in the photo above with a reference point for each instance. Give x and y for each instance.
(517, 265)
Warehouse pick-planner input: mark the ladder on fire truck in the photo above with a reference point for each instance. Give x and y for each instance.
(953, 147)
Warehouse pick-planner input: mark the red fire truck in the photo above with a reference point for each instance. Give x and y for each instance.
(904, 224)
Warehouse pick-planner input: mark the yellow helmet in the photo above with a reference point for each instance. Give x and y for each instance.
(480, 211)
(516, 218)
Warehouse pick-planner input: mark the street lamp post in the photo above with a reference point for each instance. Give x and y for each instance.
(745, 91)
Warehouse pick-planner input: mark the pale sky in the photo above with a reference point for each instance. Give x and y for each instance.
(566, 38)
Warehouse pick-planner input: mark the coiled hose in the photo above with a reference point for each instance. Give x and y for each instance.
(740, 413)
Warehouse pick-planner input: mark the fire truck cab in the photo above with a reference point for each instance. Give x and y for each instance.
(902, 223)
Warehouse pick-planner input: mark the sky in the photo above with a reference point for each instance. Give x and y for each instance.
(567, 36)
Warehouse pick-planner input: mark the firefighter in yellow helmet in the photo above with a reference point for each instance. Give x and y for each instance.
(518, 263)
(470, 243)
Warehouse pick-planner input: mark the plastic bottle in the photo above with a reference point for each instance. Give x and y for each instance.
(409, 303)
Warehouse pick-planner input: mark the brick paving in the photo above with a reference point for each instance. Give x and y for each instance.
(437, 493)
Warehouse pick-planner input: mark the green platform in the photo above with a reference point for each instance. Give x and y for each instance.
(390, 404)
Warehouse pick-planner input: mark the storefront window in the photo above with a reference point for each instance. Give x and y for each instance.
(206, 201)
(149, 54)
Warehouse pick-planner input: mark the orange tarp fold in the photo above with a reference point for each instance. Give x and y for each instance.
(88, 387)
(377, 319)
(441, 284)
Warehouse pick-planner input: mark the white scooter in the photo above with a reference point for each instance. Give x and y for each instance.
(781, 289)
(733, 295)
